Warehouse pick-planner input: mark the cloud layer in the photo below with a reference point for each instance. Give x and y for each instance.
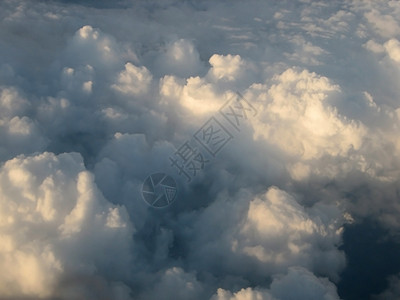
(95, 97)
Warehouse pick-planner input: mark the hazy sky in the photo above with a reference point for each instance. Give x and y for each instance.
(270, 130)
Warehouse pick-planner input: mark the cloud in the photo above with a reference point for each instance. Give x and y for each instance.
(19, 133)
(393, 49)
(266, 235)
(133, 80)
(226, 67)
(12, 103)
(97, 96)
(385, 25)
(179, 58)
(298, 283)
(393, 291)
(311, 127)
(176, 282)
(51, 207)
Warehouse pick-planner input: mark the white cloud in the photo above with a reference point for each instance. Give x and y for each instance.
(179, 58)
(50, 206)
(393, 49)
(12, 103)
(384, 24)
(243, 294)
(227, 67)
(298, 283)
(374, 46)
(266, 236)
(176, 282)
(133, 80)
(298, 118)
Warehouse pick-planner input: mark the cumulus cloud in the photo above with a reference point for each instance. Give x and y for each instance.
(179, 58)
(50, 205)
(311, 127)
(133, 80)
(298, 283)
(176, 282)
(18, 132)
(393, 49)
(266, 235)
(226, 67)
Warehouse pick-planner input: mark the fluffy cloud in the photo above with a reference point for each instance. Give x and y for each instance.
(298, 283)
(176, 282)
(50, 207)
(311, 127)
(179, 58)
(266, 235)
(393, 49)
(226, 67)
(18, 133)
(133, 80)
(12, 103)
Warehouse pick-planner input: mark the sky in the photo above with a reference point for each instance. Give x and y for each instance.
(221, 150)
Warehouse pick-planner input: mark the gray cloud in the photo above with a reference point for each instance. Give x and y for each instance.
(95, 96)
